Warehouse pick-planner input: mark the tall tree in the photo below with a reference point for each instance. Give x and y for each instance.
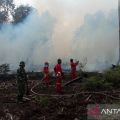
(9, 12)
(21, 13)
(6, 8)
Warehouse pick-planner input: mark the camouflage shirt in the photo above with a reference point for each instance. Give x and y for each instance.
(21, 74)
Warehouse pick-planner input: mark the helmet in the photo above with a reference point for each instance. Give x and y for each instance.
(46, 63)
(22, 63)
(58, 74)
(71, 60)
(59, 61)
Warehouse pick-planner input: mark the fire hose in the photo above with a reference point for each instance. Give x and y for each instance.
(68, 95)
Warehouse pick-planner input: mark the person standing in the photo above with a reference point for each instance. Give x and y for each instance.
(73, 68)
(22, 82)
(58, 73)
(46, 78)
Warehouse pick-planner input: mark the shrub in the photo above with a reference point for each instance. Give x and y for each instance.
(96, 84)
(113, 76)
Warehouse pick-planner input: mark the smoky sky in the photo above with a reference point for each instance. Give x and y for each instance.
(98, 39)
(28, 41)
(52, 33)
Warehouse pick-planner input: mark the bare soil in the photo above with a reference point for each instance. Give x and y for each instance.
(38, 107)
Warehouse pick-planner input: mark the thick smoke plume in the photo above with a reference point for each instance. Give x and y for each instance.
(29, 41)
(50, 33)
(98, 39)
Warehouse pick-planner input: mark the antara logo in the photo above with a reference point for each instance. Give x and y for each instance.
(103, 112)
(110, 111)
(94, 111)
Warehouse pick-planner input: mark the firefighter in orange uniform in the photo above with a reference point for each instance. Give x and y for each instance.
(58, 73)
(46, 74)
(73, 68)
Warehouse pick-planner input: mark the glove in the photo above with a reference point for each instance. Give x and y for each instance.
(58, 74)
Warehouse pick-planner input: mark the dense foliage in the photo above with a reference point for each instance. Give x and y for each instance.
(110, 80)
(9, 13)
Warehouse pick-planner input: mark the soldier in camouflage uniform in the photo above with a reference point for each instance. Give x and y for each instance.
(22, 82)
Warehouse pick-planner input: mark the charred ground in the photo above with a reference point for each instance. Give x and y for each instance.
(45, 104)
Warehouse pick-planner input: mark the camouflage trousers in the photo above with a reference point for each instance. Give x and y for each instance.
(22, 89)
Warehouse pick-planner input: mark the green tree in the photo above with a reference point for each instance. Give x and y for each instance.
(21, 13)
(6, 9)
(10, 13)
(4, 68)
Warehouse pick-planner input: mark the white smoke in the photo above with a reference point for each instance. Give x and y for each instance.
(29, 41)
(61, 29)
(97, 39)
